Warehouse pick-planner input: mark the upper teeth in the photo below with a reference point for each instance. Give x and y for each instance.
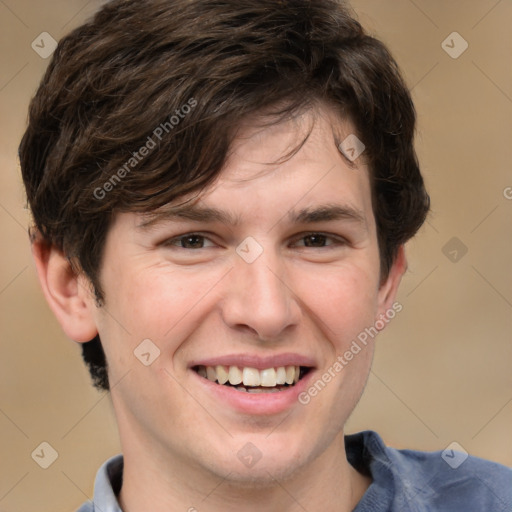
(248, 376)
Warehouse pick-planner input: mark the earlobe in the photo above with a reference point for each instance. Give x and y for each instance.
(389, 287)
(68, 297)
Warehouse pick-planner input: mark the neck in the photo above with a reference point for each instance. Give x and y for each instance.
(160, 483)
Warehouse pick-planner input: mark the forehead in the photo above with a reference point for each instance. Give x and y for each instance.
(295, 160)
(265, 141)
(281, 170)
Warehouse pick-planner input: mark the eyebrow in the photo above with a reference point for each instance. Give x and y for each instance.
(328, 212)
(308, 215)
(189, 212)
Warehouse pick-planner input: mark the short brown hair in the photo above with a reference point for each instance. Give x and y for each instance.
(209, 64)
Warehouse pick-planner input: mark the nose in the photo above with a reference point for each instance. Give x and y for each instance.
(259, 298)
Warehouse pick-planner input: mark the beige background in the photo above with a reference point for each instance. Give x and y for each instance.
(442, 372)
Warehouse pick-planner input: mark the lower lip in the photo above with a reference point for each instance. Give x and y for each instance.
(257, 403)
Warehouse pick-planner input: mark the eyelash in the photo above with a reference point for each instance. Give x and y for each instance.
(171, 241)
(338, 241)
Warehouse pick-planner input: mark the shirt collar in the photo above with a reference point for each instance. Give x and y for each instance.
(366, 452)
(107, 484)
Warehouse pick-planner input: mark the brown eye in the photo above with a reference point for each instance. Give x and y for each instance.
(189, 241)
(192, 242)
(320, 240)
(315, 240)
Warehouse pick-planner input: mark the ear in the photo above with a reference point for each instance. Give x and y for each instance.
(66, 292)
(389, 287)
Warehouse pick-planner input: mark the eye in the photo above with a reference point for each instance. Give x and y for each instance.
(319, 240)
(189, 241)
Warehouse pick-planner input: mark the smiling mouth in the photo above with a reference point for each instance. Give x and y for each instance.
(252, 380)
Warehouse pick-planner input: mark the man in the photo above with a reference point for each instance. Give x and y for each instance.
(221, 192)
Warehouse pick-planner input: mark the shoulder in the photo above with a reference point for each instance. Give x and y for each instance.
(442, 481)
(452, 478)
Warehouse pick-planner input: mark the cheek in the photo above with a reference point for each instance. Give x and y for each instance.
(158, 303)
(344, 300)
(151, 304)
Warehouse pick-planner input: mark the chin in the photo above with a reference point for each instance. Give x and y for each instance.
(255, 461)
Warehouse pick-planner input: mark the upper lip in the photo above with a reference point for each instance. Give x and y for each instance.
(256, 361)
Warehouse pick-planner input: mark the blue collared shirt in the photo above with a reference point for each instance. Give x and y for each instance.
(403, 480)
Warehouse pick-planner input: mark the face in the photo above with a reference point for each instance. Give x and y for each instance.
(266, 278)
